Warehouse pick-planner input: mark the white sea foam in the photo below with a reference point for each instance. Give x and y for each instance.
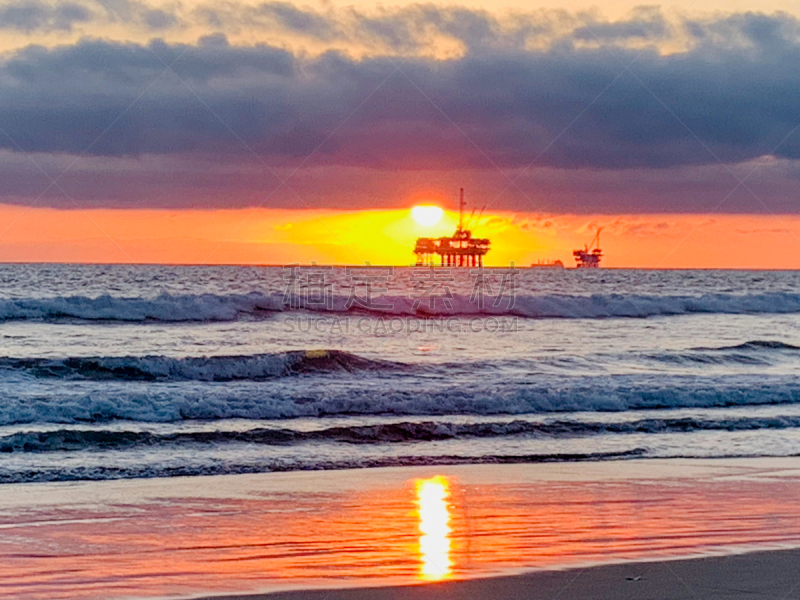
(168, 308)
(59, 401)
(211, 307)
(78, 438)
(253, 367)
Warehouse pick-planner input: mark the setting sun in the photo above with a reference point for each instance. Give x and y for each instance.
(427, 216)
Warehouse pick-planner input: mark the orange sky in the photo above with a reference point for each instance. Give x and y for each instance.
(270, 236)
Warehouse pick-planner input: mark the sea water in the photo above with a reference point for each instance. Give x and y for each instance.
(111, 372)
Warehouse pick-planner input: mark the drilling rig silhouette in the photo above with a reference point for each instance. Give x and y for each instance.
(458, 250)
(589, 257)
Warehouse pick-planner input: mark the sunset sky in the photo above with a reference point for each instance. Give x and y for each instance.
(276, 132)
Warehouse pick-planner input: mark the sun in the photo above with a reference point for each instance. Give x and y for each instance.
(427, 216)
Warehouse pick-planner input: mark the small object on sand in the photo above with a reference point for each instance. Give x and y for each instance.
(637, 578)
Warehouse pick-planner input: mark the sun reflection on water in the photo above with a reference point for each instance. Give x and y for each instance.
(434, 519)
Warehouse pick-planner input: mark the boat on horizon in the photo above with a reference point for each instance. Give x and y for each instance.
(547, 264)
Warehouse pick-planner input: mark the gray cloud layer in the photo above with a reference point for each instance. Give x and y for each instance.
(732, 96)
(29, 16)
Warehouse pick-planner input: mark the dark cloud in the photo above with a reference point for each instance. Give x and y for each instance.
(298, 20)
(399, 30)
(204, 182)
(38, 16)
(694, 107)
(31, 15)
(157, 19)
(646, 23)
(732, 96)
(765, 32)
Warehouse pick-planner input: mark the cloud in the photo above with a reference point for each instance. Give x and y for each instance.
(645, 23)
(158, 19)
(31, 15)
(298, 20)
(696, 107)
(159, 181)
(586, 102)
(34, 17)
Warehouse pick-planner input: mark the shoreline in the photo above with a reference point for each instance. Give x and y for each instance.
(493, 531)
(737, 576)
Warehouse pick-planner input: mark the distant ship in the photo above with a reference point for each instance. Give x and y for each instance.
(548, 264)
(589, 257)
(459, 250)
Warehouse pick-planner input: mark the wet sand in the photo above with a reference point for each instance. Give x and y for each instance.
(442, 532)
(774, 575)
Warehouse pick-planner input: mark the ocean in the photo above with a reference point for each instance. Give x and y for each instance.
(120, 372)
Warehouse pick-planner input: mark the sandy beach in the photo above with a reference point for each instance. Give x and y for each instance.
(735, 577)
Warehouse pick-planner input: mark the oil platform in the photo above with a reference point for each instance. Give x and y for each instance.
(459, 250)
(589, 257)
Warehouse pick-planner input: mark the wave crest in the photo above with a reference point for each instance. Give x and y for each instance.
(212, 307)
(215, 368)
(391, 433)
(756, 345)
(98, 473)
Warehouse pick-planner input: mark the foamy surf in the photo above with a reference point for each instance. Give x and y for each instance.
(221, 308)
(213, 368)
(326, 395)
(399, 432)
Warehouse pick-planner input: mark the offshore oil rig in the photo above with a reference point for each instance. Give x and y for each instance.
(459, 250)
(589, 257)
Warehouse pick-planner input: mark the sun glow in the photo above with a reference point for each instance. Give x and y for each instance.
(427, 216)
(434, 519)
(387, 237)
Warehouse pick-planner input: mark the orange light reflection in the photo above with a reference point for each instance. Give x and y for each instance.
(434, 525)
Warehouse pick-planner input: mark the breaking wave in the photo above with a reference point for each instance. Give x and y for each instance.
(215, 368)
(755, 352)
(392, 433)
(211, 307)
(61, 401)
(166, 307)
(756, 345)
(96, 473)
